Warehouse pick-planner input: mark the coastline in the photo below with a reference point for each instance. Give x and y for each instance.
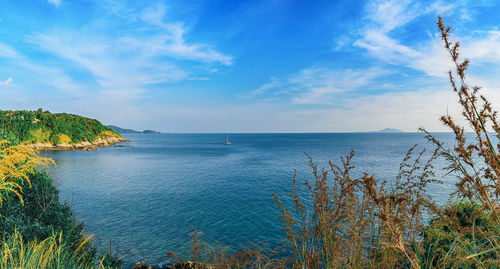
(82, 146)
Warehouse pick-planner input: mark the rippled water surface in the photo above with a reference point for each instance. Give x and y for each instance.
(146, 195)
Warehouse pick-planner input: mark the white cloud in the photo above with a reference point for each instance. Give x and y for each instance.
(427, 56)
(483, 47)
(154, 14)
(7, 51)
(384, 17)
(6, 82)
(406, 111)
(138, 57)
(55, 2)
(171, 41)
(391, 14)
(273, 84)
(402, 110)
(53, 76)
(117, 66)
(322, 85)
(391, 107)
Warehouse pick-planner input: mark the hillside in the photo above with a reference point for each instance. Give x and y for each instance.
(123, 130)
(130, 131)
(58, 131)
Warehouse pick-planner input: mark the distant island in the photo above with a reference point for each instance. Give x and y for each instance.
(44, 130)
(389, 130)
(130, 131)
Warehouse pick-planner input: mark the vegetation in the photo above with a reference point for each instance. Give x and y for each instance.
(38, 231)
(463, 230)
(48, 253)
(44, 127)
(17, 163)
(41, 215)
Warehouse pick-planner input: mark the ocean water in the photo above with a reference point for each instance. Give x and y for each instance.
(146, 196)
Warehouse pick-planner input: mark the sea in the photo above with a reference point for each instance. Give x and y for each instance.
(145, 198)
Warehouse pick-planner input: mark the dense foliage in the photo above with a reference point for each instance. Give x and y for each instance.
(17, 163)
(42, 126)
(44, 222)
(460, 237)
(42, 213)
(36, 230)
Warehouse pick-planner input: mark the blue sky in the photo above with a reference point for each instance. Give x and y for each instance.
(244, 66)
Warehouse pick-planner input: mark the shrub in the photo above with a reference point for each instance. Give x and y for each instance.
(455, 238)
(41, 215)
(45, 223)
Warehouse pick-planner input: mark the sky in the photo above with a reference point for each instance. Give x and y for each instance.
(245, 66)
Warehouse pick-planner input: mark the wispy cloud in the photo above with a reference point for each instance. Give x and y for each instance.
(428, 55)
(106, 65)
(172, 64)
(6, 82)
(322, 85)
(273, 84)
(134, 59)
(383, 17)
(52, 76)
(55, 2)
(171, 41)
(380, 36)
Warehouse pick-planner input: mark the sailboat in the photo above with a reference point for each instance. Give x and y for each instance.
(227, 141)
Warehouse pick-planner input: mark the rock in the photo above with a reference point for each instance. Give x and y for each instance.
(105, 141)
(179, 265)
(141, 265)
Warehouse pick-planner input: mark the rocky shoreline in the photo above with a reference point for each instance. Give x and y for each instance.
(181, 265)
(83, 146)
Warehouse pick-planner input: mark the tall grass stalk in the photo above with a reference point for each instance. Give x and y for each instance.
(48, 253)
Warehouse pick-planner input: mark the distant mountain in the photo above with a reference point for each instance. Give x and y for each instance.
(150, 132)
(122, 130)
(389, 130)
(130, 131)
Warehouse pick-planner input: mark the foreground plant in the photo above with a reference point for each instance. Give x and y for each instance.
(477, 162)
(477, 168)
(51, 252)
(17, 163)
(36, 230)
(358, 222)
(460, 237)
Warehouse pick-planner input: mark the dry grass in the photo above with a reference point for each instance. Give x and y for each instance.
(358, 222)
